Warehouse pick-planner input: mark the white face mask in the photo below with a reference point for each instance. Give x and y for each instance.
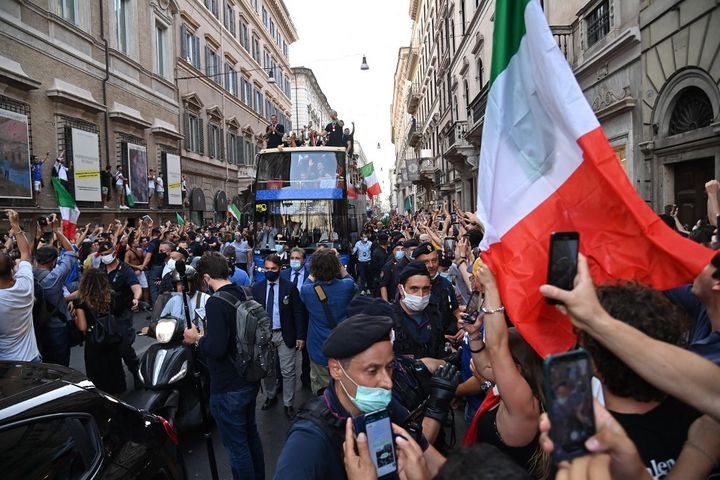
(171, 264)
(415, 303)
(108, 259)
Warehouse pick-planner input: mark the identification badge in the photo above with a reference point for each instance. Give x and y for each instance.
(286, 299)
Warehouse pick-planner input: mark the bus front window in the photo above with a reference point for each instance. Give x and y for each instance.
(305, 223)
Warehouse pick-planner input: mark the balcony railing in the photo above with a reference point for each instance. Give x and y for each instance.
(414, 135)
(476, 109)
(563, 35)
(456, 135)
(413, 99)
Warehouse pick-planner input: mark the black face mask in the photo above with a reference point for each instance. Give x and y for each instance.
(272, 276)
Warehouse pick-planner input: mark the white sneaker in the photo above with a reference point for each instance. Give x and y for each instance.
(105, 206)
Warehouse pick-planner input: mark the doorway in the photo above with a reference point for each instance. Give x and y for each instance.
(690, 179)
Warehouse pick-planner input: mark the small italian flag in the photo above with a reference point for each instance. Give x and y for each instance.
(129, 196)
(68, 210)
(234, 211)
(180, 219)
(368, 172)
(546, 166)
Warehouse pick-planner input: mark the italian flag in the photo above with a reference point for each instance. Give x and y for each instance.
(68, 210)
(234, 211)
(180, 219)
(368, 172)
(546, 166)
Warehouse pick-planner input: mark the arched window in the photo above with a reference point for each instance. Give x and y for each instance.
(692, 110)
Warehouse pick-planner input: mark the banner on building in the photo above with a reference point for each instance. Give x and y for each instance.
(15, 181)
(86, 165)
(413, 169)
(138, 172)
(173, 179)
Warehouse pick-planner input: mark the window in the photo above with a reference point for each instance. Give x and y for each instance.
(235, 149)
(160, 49)
(190, 46)
(194, 133)
(466, 93)
(245, 91)
(212, 65)
(122, 13)
(254, 4)
(229, 17)
(215, 141)
(285, 48)
(598, 23)
(212, 5)
(462, 16)
(68, 10)
(266, 61)
(243, 34)
(259, 102)
(231, 79)
(480, 72)
(59, 447)
(265, 18)
(256, 48)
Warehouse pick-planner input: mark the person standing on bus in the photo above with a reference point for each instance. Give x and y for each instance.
(334, 131)
(274, 133)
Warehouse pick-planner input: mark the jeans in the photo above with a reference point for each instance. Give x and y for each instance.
(55, 344)
(234, 413)
(154, 274)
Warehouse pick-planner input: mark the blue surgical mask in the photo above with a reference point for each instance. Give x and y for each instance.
(367, 399)
(295, 265)
(279, 248)
(399, 255)
(445, 274)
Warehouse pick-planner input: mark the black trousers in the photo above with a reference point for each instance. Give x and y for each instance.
(127, 352)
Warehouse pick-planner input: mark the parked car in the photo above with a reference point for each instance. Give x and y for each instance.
(55, 424)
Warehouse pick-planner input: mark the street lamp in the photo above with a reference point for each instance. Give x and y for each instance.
(364, 64)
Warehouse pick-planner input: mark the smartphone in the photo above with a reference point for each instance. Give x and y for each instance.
(562, 267)
(449, 244)
(147, 219)
(377, 427)
(568, 393)
(472, 308)
(453, 217)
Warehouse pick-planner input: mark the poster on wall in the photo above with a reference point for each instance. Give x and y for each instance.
(173, 179)
(86, 165)
(15, 179)
(138, 168)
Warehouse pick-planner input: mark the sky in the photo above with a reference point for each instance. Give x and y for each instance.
(333, 36)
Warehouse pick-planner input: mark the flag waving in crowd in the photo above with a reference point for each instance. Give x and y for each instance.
(368, 172)
(547, 166)
(68, 209)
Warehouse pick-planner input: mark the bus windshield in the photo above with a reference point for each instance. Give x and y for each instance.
(287, 175)
(304, 223)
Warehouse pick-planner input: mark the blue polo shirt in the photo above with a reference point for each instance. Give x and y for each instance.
(702, 340)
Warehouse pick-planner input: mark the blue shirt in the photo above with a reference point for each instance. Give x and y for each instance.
(240, 278)
(52, 286)
(703, 340)
(37, 172)
(473, 401)
(339, 292)
(275, 301)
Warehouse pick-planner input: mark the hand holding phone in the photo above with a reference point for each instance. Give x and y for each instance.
(378, 429)
(563, 260)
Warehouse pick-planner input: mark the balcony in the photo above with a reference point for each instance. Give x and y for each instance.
(458, 149)
(563, 35)
(476, 116)
(414, 136)
(413, 99)
(429, 166)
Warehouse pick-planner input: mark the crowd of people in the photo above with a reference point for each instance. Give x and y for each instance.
(414, 323)
(335, 134)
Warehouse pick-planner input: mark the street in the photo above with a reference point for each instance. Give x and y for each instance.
(272, 424)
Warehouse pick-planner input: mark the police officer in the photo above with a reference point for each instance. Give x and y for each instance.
(360, 361)
(442, 293)
(391, 270)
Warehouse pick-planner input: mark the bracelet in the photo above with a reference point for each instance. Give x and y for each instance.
(479, 349)
(473, 339)
(701, 450)
(485, 311)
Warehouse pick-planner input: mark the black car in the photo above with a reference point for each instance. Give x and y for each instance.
(54, 424)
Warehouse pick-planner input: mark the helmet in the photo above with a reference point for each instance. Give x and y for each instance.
(190, 274)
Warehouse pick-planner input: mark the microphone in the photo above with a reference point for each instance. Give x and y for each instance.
(180, 267)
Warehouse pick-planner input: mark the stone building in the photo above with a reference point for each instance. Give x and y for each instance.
(96, 80)
(310, 106)
(233, 73)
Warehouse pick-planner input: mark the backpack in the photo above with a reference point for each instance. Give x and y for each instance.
(256, 354)
(42, 312)
(105, 331)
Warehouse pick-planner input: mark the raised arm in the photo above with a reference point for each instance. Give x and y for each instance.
(22, 243)
(713, 208)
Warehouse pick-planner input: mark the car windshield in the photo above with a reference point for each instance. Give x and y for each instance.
(305, 223)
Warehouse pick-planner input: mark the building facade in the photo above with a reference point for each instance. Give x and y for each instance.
(233, 73)
(310, 106)
(93, 82)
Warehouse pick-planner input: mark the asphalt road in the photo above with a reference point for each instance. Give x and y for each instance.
(272, 424)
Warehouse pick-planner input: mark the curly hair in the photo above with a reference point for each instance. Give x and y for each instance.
(94, 290)
(324, 265)
(647, 310)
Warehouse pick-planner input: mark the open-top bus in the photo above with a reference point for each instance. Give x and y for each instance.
(303, 193)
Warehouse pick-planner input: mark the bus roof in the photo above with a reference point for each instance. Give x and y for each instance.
(302, 149)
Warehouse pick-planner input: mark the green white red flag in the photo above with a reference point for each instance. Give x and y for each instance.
(69, 212)
(368, 172)
(546, 165)
(234, 211)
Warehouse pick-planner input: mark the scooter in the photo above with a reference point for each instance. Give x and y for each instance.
(166, 369)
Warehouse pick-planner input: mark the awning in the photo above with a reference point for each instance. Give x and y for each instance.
(13, 73)
(129, 115)
(72, 94)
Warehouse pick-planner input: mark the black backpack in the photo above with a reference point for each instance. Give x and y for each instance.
(105, 331)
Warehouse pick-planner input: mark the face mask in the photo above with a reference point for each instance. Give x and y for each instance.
(108, 259)
(415, 303)
(279, 248)
(399, 255)
(368, 399)
(364, 239)
(295, 265)
(445, 274)
(171, 264)
(272, 276)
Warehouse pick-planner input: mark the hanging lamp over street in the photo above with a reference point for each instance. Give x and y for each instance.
(364, 65)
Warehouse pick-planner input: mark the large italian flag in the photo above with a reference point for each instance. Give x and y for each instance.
(546, 165)
(368, 172)
(68, 209)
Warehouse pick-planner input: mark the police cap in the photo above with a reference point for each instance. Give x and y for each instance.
(356, 334)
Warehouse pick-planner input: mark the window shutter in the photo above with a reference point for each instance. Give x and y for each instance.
(207, 61)
(221, 144)
(196, 51)
(201, 137)
(187, 130)
(183, 41)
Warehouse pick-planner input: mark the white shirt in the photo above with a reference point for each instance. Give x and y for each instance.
(176, 309)
(159, 185)
(363, 250)
(151, 184)
(119, 179)
(17, 336)
(61, 171)
(276, 307)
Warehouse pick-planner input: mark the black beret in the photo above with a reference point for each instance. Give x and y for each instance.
(356, 334)
(45, 255)
(445, 261)
(423, 249)
(411, 243)
(411, 269)
(399, 243)
(369, 306)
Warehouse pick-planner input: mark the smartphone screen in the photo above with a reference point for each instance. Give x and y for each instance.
(449, 244)
(472, 308)
(569, 397)
(562, 268)
(380, 442)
